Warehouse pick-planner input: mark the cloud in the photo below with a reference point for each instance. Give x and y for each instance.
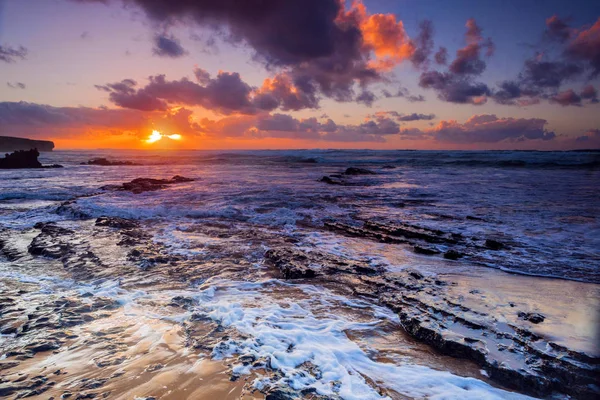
(441, 56)
(589, 93)
(10, 54)
(457, 84)
(468, 59)
(416, 117)
(566, 98)
(585, 47)
(590, 139)
(366, 97)
(544, 74)
(403, 117)
(404, 93)
(45, 121)
(227, 93)
(558, 29)
(455, 89)
(423, 44)
(168, 46)
(16, 85)
(487, 128)
(323, 48)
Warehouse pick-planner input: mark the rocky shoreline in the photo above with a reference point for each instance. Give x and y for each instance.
(431, 309)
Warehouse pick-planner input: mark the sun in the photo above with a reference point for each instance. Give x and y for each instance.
(155, 136)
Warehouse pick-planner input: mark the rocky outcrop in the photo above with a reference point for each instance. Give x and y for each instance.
(140, 185)
(23, 159)
(432, 311)
(9, 143)
(106, 162)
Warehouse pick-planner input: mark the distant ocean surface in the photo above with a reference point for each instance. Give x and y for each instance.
(544, 205)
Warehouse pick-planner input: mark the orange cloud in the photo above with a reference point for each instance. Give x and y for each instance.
(382, 34)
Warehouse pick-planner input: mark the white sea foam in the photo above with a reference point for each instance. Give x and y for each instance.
(289, 334)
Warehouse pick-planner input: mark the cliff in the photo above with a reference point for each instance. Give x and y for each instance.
(9, 143)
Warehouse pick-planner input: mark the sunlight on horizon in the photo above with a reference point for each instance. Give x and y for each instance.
(155, 136)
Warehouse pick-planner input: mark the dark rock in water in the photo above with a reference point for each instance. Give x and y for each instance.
(23, 159)
(9, 143)
(331, 181)
(292, 265)
(140, 185)
(358, 171)
(116, 222)
(494, 244)
(281, 394)
(452, 255)
(534, 318)
(425, 250)
(388, 167)
(106, 162)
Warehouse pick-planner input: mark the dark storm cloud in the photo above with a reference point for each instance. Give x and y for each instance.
(168, 46)
(10, 54)
(322, 47)
(16, 85)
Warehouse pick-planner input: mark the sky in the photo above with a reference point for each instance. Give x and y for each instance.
(269, 74)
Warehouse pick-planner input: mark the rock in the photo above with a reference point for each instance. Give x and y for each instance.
(331, 181)
(534, 318)
(116, 222)
(106, 162)
(140, 185)
(23, 159)
(425, 250)
(388, 167)
(291, 267)
(358, 171)
(281, 394)
(494, 244)
(453, 255)
(8, 364)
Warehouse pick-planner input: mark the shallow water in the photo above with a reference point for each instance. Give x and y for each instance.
(541, 205)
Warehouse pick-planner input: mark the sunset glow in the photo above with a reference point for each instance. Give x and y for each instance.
(155, 136)
(377, 74)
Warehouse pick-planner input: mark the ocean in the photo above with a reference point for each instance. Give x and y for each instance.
(491, 223)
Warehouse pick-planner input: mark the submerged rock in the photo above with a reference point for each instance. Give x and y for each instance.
(358, 171)
(331, 181)
(494, 244)
(105, 162)
(23, 159)
(140, 185)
